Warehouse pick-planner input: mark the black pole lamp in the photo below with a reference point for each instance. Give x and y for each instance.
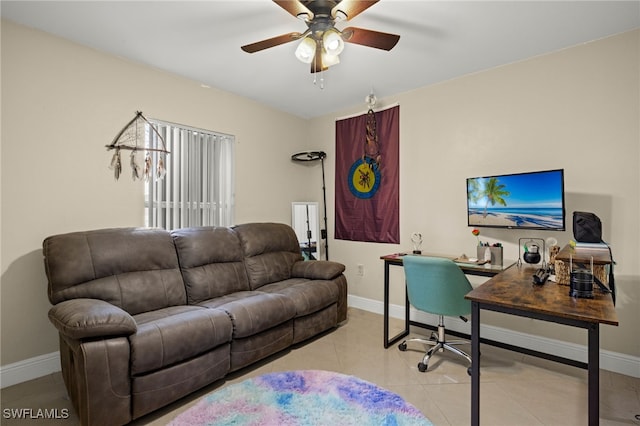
(315, 156)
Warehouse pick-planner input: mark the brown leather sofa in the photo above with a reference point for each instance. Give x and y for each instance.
(147, 316)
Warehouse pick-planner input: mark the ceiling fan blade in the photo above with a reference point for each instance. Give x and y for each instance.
(271, 42)
(294, 7)
(377, 39)
(352, 8)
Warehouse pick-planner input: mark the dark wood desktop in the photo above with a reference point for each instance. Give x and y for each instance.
(512, 292)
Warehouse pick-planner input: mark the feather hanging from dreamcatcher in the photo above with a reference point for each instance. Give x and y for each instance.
(132, 138)
(146, 172)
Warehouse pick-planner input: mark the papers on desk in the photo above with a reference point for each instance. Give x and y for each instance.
(470, 260)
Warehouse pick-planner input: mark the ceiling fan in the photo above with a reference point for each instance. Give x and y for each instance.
(322, 42)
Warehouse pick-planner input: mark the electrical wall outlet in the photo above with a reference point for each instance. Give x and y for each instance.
(360, 270)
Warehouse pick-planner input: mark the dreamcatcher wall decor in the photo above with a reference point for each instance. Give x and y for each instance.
(131, 138)
(365, 173)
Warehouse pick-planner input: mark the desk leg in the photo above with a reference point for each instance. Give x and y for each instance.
(386, 304)
(593, 362)
(475, 364)
(388, 342)
(407, 316)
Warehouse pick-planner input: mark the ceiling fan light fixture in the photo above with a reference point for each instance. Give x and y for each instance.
(329, 59)
(332, 41)
(306, 50)
(322, 43)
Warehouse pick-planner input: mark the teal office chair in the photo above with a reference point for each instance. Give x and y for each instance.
(437, 286)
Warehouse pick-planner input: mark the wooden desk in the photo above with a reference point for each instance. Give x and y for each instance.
(512, 292)
(486, 270)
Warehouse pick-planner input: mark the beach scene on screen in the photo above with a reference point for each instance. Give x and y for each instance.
(527, 200)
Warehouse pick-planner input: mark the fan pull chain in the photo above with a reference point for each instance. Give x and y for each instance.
(315, 79)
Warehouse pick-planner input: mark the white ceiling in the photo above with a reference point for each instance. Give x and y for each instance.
(440, 40)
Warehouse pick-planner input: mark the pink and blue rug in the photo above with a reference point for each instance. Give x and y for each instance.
(296, 398)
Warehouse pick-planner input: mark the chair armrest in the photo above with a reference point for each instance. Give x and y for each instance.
(82, 318)
(317, 269)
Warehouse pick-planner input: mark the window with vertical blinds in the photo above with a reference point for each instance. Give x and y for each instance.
(198, 187)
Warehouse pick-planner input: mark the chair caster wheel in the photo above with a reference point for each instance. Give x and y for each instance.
(422, 367)
(402, 346)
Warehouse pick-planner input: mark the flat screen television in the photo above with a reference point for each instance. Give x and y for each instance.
(533, 200)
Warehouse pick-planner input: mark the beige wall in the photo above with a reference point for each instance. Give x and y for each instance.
(576, 109)
(61, 103)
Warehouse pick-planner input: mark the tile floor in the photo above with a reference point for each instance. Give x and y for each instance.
(515, 389)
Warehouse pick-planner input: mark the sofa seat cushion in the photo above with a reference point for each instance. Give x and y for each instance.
(171, 335)
(307, 296)
(253, 312)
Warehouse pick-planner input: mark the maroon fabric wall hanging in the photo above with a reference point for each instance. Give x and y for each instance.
(367, 177)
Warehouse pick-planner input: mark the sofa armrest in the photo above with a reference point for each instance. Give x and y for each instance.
(82, 318)
(317, 269)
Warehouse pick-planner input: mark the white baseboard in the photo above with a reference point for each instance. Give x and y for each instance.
(32, 368)
(610, 361)
(29, 369)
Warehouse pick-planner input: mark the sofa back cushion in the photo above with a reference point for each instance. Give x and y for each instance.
(270, 250)
(135, 269)
(211, 260)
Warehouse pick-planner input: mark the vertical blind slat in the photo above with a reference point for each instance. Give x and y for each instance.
(197, 189)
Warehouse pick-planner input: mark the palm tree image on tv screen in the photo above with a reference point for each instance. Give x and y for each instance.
(532, 200)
